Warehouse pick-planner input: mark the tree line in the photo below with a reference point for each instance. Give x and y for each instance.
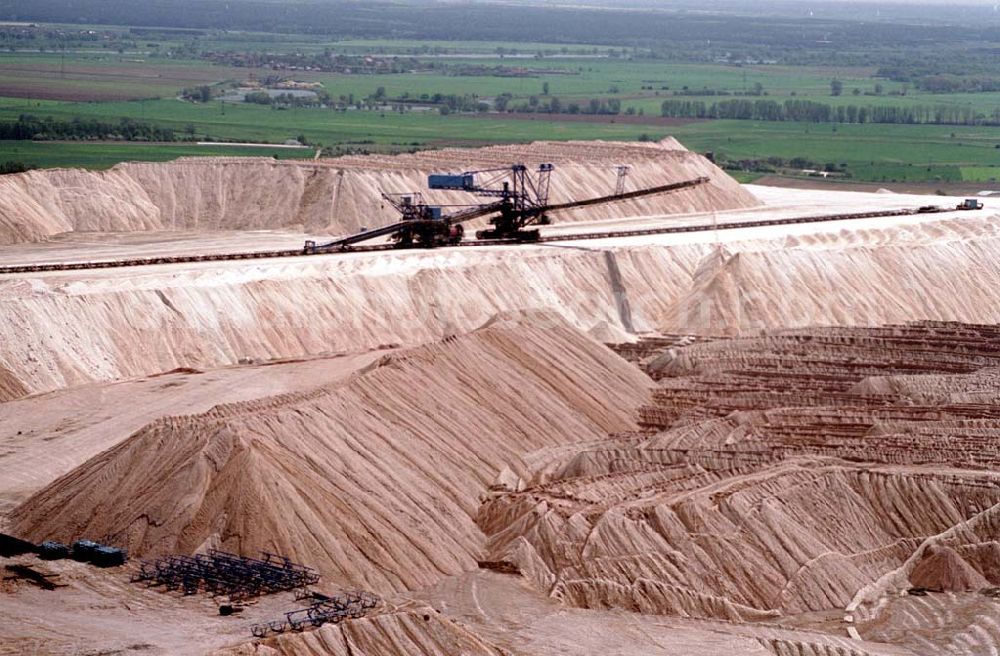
(554, 105)
(816, 112)
(975, 72)
(14, 166)
(46, 128)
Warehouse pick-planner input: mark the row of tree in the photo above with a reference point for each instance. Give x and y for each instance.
(126, 129)
(14, 166)
(781, 164)
(316, 99)
(816, 112)
(555, 105)
(966, 75)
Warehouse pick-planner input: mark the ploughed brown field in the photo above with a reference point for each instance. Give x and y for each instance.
(779, 440)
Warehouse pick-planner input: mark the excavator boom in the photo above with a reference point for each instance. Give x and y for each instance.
(629, 195)
(510, 216)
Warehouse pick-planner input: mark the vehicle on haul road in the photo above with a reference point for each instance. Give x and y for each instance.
(970, 204)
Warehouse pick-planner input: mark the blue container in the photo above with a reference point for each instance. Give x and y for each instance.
(50, 550)
(83, 550)
(462, 181)
(108, 556)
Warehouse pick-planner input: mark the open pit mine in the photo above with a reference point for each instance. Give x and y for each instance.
(557, 398)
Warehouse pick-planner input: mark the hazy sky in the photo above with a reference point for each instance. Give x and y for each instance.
(757, 3)
(939, 3)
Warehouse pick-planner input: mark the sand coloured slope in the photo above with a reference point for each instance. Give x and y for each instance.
(65, 330)
(46, 436)
(785, 479)
(943, 569)
(418, 631)
(374, 481)
(775, 483)
(337, 196)
(937, 624)
(10, 387)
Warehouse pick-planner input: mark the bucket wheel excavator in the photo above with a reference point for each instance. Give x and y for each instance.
(516, 200)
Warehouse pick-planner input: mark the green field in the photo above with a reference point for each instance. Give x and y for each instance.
(256, 123)
(990, 174)
(105, 155)
(140, 77)
(872, 152)
(891, 144)
(572, 78)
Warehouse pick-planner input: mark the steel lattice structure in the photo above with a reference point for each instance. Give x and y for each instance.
(333, 610)
(222, 573)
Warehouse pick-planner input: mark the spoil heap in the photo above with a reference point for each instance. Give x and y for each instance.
(782, 474)
(374, 482)
(69, 329)
(858, 275)
(942, 569)
(336, 196)
(417, 631)
(947, 624)
(10, 387)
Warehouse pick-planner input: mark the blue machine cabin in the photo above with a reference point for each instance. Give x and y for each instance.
(459, 181)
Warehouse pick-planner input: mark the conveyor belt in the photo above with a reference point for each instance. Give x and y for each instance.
(339, 249)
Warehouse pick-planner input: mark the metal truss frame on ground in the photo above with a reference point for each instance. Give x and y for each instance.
(222, 573)
(324, 610)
